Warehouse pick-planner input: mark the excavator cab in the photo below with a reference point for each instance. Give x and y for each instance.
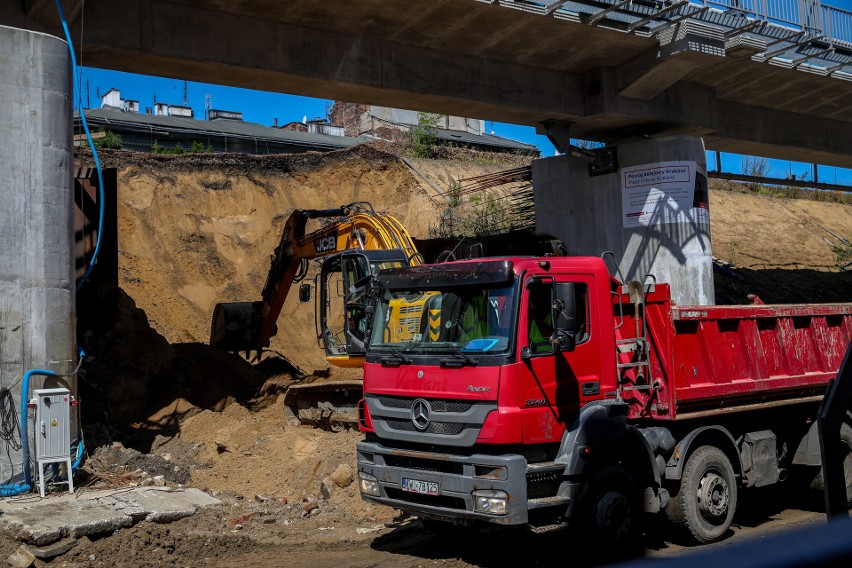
(356, 243)
(344, 301)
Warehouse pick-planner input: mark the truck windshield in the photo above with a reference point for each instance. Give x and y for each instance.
(465, 319)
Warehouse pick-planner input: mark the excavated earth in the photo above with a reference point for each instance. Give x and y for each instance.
(157, 401)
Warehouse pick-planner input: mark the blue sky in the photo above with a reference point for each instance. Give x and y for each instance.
(264, 107)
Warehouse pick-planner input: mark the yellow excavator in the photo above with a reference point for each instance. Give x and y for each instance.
(356, 244)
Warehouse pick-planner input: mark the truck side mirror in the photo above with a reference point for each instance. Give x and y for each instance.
(564, 306)
(304, 293)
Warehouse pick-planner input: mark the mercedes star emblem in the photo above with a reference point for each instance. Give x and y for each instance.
(420, 414)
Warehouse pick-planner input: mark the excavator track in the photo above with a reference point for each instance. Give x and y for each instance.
(329, 404)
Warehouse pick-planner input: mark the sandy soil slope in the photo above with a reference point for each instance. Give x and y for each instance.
(197, 230)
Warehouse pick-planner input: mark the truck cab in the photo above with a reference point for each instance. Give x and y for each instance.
(486, 363)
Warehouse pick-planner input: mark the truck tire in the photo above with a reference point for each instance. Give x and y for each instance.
(818, 483)
(611, 506)
(707, 499)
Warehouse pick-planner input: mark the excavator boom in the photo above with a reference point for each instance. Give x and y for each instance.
(248, 326)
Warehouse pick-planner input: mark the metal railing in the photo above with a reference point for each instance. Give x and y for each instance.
(808, 15)
(811, 16)
(787, 24)
(837, 25)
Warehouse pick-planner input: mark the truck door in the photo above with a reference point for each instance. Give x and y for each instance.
(555, 382)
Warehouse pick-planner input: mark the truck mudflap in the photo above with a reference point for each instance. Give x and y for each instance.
(445, 486)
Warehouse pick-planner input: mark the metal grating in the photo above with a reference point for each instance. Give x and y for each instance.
(792, 33)
(441, 428)
(436, 405)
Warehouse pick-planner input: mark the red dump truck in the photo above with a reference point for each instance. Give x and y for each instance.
(543, 392)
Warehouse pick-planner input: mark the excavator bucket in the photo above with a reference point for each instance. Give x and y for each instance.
(236, 326)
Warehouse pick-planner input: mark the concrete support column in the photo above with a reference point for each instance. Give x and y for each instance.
(652, 213)
(37, 317)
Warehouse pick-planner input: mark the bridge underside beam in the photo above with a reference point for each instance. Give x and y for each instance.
(640, 98)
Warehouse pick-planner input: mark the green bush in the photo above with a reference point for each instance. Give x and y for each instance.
(176, 150)
(199, 148)
(109, 140)
(842, 255)
(424, 135)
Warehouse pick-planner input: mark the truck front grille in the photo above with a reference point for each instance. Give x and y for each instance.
(447, 422)
(445, 428)
(436, 405)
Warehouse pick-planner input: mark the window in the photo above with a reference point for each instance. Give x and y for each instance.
(540, 317)
(540, 314)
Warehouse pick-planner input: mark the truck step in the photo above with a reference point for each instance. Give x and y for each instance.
(632, 341)
(635, 364)
(542, 467)
(541, 529)
(544, 502)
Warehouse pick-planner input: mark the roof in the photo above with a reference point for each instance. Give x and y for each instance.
(107, 117)
(456, 136)
(462, 136)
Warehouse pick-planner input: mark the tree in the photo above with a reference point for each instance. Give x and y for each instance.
(425, 134)
(755, 166)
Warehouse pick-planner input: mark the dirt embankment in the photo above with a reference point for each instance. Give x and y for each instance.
(200, 229)
(197, 230)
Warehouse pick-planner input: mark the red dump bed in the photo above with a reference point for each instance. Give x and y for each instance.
(715, 359)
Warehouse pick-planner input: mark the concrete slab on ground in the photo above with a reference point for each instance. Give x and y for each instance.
(45, 521)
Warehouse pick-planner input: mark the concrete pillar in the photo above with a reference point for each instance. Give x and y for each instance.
(652, 213)
(37, 316)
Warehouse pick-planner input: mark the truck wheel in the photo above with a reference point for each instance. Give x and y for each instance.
(612, 503)
(707, 498)
(818, 482)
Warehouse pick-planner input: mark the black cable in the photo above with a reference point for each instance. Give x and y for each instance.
(10, 427)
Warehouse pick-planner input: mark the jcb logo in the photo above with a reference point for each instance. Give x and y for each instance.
(325, 244)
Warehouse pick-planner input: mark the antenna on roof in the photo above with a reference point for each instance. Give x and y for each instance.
(185, 91)
(208, 104)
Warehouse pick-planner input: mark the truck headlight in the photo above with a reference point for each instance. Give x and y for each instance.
(490, 502)
(369, 484)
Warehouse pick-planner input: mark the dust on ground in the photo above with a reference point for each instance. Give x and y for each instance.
(159, 406)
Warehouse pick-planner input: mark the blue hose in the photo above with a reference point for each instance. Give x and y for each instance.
(94, 152)
(79, 459)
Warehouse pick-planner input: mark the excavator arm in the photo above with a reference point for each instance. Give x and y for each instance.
(248, 326)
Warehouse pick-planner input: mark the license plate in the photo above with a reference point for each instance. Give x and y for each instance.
(417, 486)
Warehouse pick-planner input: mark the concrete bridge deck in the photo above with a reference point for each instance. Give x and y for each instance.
(747, 82)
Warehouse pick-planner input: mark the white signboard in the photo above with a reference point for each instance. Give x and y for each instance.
(656, 194)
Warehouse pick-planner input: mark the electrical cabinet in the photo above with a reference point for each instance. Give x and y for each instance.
(52, 431)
